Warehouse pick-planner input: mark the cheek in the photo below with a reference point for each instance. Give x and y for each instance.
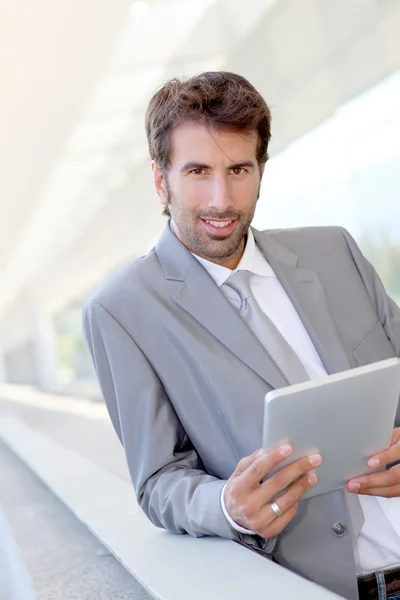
(193, 194)
(244, 192)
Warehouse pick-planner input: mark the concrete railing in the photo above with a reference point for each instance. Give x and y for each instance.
(169, 567)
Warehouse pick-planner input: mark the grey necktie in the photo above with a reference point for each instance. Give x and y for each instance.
(284, 357)
(265, 330)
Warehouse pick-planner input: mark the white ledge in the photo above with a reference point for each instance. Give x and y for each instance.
(15, 583)
(169, 567)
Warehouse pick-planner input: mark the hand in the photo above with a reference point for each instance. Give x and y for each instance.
(385, 483)
(248, 501)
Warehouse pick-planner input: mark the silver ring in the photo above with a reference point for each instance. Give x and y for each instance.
(275, 508)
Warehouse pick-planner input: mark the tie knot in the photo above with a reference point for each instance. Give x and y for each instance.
(240, 283)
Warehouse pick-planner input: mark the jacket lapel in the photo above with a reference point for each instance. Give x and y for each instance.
(200, 297)
(307, 294)
(204, 301)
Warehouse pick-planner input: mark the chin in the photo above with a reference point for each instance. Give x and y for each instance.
(223, 251)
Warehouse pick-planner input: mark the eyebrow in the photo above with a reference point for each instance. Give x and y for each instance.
(195, 165)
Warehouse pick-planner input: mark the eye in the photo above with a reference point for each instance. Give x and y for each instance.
(239, 170)
(197, 171)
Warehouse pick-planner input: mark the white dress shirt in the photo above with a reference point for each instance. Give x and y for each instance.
(378, 545)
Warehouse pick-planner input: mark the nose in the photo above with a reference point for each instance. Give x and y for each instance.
(220, 198)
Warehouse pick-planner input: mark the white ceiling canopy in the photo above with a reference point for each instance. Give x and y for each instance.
(159, 39)
(81, 136)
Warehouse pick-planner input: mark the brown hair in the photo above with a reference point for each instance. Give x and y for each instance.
(220, 100)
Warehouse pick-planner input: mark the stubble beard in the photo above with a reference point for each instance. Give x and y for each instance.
(200, 242)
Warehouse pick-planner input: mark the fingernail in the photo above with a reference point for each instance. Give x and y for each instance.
(353, 487)
(315, 460)
(373, 463)
(312, 478)
(286, 450)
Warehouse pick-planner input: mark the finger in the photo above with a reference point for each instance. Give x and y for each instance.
(285, 477)
(294, 492)
(264, 517)
(384, 492)
(382, 479)
(386, 457)
(276, 526)
(247, 461)
(395, 436)
(268, 522)
(259, 468)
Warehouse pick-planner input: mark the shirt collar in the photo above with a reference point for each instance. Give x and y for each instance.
(252, 260)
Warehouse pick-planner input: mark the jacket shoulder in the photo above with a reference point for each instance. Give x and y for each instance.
(306, 233)
(126, 283)
(304, 241)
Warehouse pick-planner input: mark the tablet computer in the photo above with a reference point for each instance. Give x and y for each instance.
(346, 417)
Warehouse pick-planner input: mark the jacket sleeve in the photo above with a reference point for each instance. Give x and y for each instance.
(168, 476)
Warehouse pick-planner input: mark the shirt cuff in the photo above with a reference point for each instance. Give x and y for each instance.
(230, 521)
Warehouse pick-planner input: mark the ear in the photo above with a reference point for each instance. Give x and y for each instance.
(159, 183)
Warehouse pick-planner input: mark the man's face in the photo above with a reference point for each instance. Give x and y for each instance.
(211, 189)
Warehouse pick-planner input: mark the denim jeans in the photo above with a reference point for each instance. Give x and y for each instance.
(382, 595)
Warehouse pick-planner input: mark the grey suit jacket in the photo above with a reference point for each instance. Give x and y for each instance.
(184, 380)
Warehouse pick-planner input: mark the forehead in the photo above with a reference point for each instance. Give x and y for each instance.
(194, 141)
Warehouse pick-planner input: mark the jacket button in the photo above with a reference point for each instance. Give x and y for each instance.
(339, 529)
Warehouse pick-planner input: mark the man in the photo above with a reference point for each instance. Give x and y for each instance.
(180, 340)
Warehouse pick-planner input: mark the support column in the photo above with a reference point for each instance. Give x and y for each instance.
(2, 367)
(45, 351)
(28, 344)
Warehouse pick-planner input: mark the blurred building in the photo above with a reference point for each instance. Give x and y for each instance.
(76, 192)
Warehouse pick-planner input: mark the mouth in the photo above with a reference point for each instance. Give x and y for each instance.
(219, 227)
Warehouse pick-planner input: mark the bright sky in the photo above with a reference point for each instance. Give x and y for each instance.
(346, 171)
